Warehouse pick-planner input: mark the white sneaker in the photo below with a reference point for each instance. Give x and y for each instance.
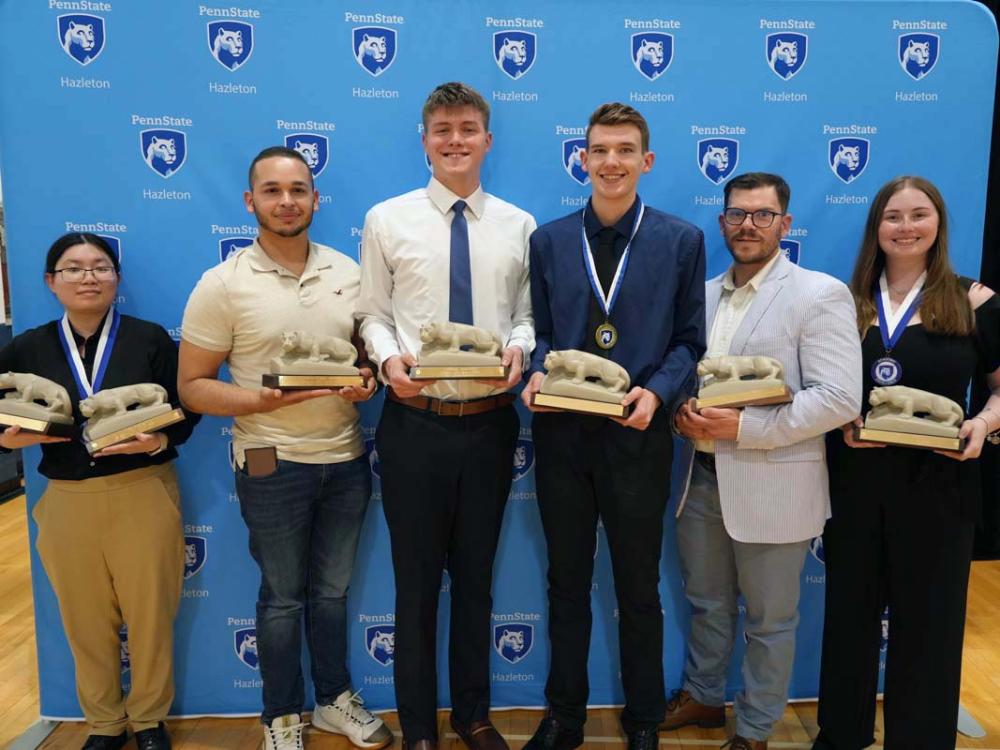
(285, 733)
(348, 716)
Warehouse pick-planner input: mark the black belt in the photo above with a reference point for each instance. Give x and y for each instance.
(707, 460)
(453, 408)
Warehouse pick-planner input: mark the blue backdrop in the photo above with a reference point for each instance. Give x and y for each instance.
(138, 120)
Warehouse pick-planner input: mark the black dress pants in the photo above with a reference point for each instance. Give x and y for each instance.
(589, 467)
(445, 482)
(900, 536)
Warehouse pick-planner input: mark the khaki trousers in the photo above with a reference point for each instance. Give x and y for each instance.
(113, 548)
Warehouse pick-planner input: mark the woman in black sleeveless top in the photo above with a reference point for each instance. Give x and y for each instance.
(901, 532)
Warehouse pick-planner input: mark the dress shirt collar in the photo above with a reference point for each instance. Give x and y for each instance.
(758, 278)
(261, 261)
(80, 339)
(444, 199)
(623, 226)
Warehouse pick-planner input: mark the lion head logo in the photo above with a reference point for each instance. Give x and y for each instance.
(514, 52)
(81, 36)
(652, 53)
(374, 48)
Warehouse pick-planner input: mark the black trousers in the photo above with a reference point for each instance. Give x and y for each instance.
(898, 537)
(445, 482)
(589, 467)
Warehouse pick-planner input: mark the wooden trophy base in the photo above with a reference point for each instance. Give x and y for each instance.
(38, 426)
(164, 419)
(580, 405)
(459, 372)
(909, 439)
(310, 382)
(776, 394)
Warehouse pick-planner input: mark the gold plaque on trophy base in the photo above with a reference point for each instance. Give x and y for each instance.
(909, 439)
(310, 382)
(774, 394)
(459, 372)
(580, 405)
(152, 424)
(38, 426)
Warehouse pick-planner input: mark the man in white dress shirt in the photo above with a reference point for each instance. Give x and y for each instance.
(448, 251)
(758, 491)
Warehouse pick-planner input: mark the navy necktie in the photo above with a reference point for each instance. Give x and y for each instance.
(460, 289)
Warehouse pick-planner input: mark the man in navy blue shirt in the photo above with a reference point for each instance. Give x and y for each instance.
(627, 282)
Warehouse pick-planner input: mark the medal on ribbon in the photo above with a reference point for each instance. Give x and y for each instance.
(109, 332)
(887, 370)
(606, 335)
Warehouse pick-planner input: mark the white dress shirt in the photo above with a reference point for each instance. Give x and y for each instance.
(405, 275)
(733, 306)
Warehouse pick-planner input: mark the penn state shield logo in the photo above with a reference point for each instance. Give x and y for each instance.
(717, 158)
(116, 245)
(195, 553)
(791, 250)
(374, 48)
(124, 658)
(230, 42)
(380, 641)
(81, 36)
(372, 452)
(514, 52)
(652, 53)
(315, 149)
(164, 151)
(524, 457)
(918, 53)
(245, 643)
(816, 548)
(572, 158)
(513, 640)
(849, 157)
(229, 246)
(786, 53)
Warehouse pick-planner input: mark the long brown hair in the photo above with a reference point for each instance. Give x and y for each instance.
(944, 306)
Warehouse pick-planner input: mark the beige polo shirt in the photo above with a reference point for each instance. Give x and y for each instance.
(242, 306)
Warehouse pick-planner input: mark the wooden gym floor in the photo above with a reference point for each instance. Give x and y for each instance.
(19, 680)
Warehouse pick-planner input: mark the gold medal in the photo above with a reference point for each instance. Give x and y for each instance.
(606, 335)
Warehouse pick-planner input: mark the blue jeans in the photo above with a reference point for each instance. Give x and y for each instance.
(304, 522)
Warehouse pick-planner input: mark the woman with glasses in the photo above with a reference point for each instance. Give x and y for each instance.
(109, 525)
(901, 530)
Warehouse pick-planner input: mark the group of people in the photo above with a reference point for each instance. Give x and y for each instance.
(618, 279)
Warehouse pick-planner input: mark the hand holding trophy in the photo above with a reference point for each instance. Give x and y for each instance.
(115, 415)
(20, 408)
(583, 382)
(912, 418)
(457, 351)
(734, 382)
(311, 361)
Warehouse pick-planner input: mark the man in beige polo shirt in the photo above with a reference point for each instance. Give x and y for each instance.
(302, 477)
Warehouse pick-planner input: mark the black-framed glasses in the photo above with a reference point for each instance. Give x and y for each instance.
(761, 218)
(74, 274)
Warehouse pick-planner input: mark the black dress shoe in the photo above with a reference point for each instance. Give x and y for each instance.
(644, 739)
(153, 739)
(105, 741)
(551, 735)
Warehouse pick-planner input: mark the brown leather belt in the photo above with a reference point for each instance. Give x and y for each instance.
(452, 408)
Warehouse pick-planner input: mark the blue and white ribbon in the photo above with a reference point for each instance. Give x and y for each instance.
(607, 299)
(105, 344)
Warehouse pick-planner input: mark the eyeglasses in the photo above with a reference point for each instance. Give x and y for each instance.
(74, 275)
(761, 219)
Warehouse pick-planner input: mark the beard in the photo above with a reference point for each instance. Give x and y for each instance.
(284, 231)
(745, 256)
